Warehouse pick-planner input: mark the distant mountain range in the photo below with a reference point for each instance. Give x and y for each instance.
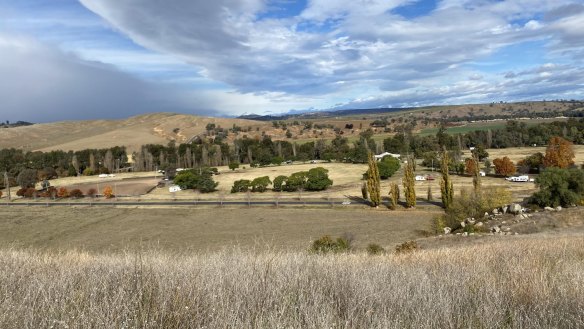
(312, 114)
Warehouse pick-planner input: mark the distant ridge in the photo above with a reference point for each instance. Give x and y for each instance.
(320, 114)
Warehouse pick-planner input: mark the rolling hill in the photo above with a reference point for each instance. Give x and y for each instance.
(157, 128)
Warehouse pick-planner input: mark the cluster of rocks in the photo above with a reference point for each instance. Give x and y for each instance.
(558, 208)
(496, 227)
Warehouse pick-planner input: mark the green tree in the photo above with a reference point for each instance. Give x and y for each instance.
(476, 176)
(318, 179)
(260, 184)
(296, 181)
(446, 187)
(394, 196)
(373, 182)
(27, 178)
(241, 185)
(388, 166)
(409, 183)
(233, 165)
(279, 182)
(559, 187)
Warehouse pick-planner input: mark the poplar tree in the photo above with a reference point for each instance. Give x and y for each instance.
(373, 181)
(394, 194)
(409, 183)
(446, 187)
(476, 179)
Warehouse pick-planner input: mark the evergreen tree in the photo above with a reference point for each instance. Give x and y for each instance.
(394, 194)
(409, 183)
(373, 181)
(446, 187)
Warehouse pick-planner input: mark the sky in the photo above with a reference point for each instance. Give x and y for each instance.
(105, 59)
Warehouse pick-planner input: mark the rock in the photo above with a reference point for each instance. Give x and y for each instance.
(548, 209)
(495, 211)
(447, 230)
(506, 229)
(486, 214)
(472, 233)
(479, 224)
(515, 209)
(465, 234)
(458, 233)
(496, 229)
(503, 222)
(462, 224)
(559, 208)
(472, 221)
(505, 208)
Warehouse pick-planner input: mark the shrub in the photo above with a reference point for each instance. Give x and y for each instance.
(279, 182)
(296, 181)
(199, 179)
(62, 192)
(108, 192)
(375, 249)
(233, 165)
(559, 187)
(30, 192)
(91, 192)
(27, 178)
(317, 179)
(76, 193)
(241, 185)
(388, 166)
(260, 184)
(326, 244)
(406, 247)
(88, 172)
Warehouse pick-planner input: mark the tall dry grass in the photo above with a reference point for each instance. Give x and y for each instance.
(512, 283)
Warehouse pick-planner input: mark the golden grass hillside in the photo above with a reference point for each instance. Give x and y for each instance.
(157, 128)
(519, 282)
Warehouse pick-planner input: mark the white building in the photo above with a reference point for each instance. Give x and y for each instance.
(384, 154)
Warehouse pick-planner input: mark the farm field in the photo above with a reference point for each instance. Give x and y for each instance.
(199, 229)
(499, 124)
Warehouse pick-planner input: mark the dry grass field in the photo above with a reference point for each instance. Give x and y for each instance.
(516, 282)
(107, 229)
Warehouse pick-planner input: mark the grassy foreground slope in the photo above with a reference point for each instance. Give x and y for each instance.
(518, 282)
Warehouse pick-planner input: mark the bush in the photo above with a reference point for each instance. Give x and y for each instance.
(559, 187)
(76, 193)
(241, 185)
(233, 165)
(30, 192)
(108, 192)
(406, 247)
(198, 179)
(326, 244)
(27, 178)
(260, 184)
(88, 172)
(388, 166)
(375, 249)
(21, 192)
(279, 182)
(317, 179)
(91, 192)
(62, 192)
(296, 181)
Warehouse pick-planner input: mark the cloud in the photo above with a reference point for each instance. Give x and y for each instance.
(40, 83)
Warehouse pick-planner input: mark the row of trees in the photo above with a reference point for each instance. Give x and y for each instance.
(315, 179)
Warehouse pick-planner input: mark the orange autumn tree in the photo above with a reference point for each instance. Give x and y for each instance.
(470, 166)
(559, 153)
(108, 192)
(504, 166)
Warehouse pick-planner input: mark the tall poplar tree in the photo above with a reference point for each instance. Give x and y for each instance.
(373, 181)
(446, 187)
(409, 183)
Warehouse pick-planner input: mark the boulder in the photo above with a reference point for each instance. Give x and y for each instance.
(462, 224)
(506, 229)
(479, 224)
(495, 211)
(548, 209)
(447, 230)
(486, 214)
(505, 208)
(496, 229)
(515, 209)
(559, 208)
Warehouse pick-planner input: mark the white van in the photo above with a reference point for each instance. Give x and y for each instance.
(523, 178)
